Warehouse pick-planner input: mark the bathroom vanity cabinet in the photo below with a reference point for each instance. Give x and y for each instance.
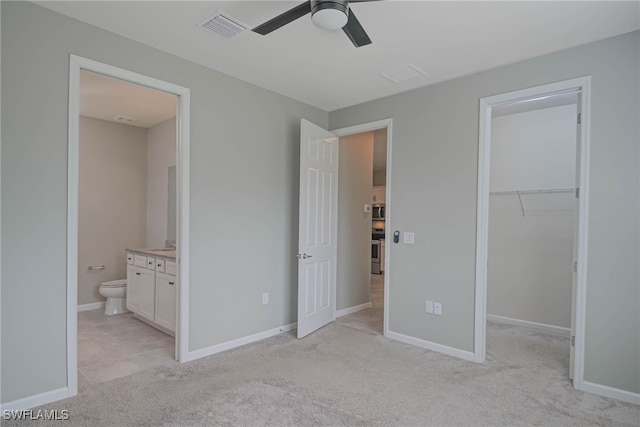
(152, 289)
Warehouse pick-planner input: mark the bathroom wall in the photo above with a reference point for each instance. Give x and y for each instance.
(112, 201)
(161, 153)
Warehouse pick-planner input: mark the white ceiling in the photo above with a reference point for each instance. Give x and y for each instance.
(445, 39)
(106, 98)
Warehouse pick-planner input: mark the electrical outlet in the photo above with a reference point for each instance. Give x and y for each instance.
(437, 308)
(429, 307)
(265, 298)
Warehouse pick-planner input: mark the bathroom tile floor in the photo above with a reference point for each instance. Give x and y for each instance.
(116, 346)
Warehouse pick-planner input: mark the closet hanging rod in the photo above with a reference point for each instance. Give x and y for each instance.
(524, 192)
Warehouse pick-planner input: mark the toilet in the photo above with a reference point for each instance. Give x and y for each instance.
(116, 292)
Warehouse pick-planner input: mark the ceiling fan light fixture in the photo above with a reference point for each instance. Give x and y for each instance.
(329, 15)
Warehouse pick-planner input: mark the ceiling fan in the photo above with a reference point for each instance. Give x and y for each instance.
(326, 14)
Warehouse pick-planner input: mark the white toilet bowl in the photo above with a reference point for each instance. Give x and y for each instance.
(116, 292)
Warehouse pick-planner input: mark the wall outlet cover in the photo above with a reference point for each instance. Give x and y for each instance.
(265, 298)
(437, 308)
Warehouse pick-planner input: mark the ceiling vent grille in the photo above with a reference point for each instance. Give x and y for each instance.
(223, 25)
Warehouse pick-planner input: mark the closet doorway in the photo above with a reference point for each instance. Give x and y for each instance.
(532, 216)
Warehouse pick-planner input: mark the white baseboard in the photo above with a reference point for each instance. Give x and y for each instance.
(455, 352)
(354, 309)
(218, 348)
(36, 400)
(558, 330)
(91, 306)
(606, 391)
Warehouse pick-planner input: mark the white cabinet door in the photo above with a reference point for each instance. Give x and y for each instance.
(147, 289)
(133, 288)
(166, 289)
(379, 194)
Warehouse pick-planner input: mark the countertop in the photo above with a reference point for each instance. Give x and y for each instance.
(158, 253)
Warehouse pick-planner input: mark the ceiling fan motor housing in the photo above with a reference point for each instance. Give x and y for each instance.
(330, 14)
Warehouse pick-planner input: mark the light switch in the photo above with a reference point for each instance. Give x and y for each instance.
(429, 307)
(367, 208)
(408, 237)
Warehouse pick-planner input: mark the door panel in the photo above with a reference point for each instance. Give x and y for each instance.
(317, 250)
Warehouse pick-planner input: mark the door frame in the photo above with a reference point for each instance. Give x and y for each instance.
(368, 127)
(76, 64)
(582, 84)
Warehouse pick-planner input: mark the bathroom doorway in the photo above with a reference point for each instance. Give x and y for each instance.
(127, 218)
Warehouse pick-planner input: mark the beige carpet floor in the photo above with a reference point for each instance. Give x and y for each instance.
(348, 374)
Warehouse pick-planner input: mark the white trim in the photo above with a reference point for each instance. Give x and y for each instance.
(583, 84)
(428, 345)
(613, 393)
(72, 224)
(218, 348)
(37, 400)
(366, 127)
(91, 306)
(558, 330)
(76, 63)
(353, 309)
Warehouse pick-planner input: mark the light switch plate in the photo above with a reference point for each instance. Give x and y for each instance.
(367, 208)
(408, 237)
(429, 307)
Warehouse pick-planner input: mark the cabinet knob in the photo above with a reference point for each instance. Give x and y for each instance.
(172, 283)
(138, 274)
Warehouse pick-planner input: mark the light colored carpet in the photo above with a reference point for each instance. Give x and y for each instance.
(345, 374)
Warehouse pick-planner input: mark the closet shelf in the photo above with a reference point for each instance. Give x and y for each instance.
(526, 192)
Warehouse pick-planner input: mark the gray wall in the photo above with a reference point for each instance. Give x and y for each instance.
(354, 225)
(435, 156)
(161, 154)
(111, 201)
(244, 193)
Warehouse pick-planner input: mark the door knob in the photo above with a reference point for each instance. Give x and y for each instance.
(303, 256)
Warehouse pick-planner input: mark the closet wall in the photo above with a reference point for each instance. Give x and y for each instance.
(531, 236)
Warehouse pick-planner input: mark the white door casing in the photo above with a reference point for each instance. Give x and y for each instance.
(583, 86)
(318, 227)
(183, 94)
(574, 277)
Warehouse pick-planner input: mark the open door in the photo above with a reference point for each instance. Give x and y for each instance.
(317, 249)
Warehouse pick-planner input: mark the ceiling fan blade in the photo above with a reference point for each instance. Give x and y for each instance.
(355, 32)
(283, 19)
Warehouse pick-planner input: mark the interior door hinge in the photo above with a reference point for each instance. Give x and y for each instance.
(575, 266)
(577, 192)
(579, 118)
(573, 340)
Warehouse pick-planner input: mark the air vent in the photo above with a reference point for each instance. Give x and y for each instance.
(125, 119)
(403, 73)
(223, 25)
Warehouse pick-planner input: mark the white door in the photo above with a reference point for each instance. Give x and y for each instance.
(317, 249)
(572, 354)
